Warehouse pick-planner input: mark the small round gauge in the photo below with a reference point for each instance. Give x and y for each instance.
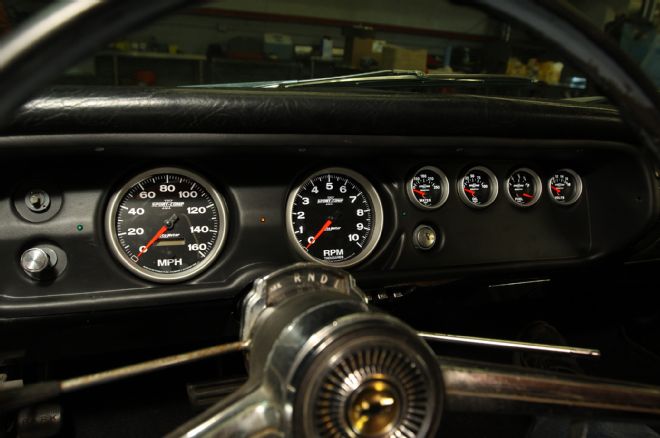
(334, 217)
(166, 224)
(478, 187)
(565, 187)
(428, 189)
(523, 187)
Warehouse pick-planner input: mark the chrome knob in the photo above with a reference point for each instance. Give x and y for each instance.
(37, 261)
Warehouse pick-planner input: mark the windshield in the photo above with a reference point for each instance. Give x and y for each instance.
(427, 46)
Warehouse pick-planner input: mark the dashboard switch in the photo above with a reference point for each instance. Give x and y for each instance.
(424, 237)
(39, 263)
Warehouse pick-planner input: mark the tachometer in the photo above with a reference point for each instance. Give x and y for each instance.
(166, 224)
(478, 187)
(335, 217)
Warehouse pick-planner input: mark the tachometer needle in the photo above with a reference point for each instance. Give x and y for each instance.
(419, 192)
(321, 231)
(153, 239)
(472, 192)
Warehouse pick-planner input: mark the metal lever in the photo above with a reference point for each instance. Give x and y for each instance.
(17, 398)
(510, 345)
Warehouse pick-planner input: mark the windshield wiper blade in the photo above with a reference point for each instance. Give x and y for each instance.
(390, 79)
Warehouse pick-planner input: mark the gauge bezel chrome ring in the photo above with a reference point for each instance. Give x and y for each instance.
(118, 253)
(578, 187)
(444, 182)
(377, 227)
(493, 193)
(537, 182)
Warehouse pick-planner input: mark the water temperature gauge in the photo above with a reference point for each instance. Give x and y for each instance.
(428, 189)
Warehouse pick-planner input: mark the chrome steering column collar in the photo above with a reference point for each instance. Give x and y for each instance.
(323, 364)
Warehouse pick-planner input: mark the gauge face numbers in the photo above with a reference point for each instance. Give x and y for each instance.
(523, 187)
(428, 189)
(335, 217)
(166, 225)
(565, 187)
(478, 187)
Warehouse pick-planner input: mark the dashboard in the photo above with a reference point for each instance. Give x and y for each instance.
(123, 198)
(166, 229)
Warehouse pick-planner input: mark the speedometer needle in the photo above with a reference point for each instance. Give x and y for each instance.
(168, 224)
(153, 239)
(321, 231)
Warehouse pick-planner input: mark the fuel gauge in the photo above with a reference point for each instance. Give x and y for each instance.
(428, 189)
(523, 187)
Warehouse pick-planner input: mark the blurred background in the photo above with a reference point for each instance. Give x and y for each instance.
(244, 41)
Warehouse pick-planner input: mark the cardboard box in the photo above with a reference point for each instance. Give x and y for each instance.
(364, 52)
(400, 58)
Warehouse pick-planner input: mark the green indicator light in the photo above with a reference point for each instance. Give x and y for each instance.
(79, 227)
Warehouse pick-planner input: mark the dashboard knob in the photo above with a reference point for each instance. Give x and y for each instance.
(37, 262)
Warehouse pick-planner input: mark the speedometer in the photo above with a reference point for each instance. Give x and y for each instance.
(166, 224)
(335, 217)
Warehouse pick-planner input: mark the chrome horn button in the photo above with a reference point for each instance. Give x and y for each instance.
(371, 378)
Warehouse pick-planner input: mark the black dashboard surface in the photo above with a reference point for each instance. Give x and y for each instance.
(256, 147)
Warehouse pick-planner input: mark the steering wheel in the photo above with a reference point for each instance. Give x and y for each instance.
(321, 361)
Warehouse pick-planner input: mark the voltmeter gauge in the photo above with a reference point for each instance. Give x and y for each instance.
(478, 187)
(428, 189)
(523, 187)
(166, 225)
(565, 187)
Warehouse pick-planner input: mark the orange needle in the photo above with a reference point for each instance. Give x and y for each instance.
(321, 231)
(153, 239)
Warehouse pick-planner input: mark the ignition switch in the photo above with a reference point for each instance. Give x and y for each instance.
(424, 237)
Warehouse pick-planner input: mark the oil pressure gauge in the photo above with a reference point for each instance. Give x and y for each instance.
(523, 187)
(478, 187)
(428, 189)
